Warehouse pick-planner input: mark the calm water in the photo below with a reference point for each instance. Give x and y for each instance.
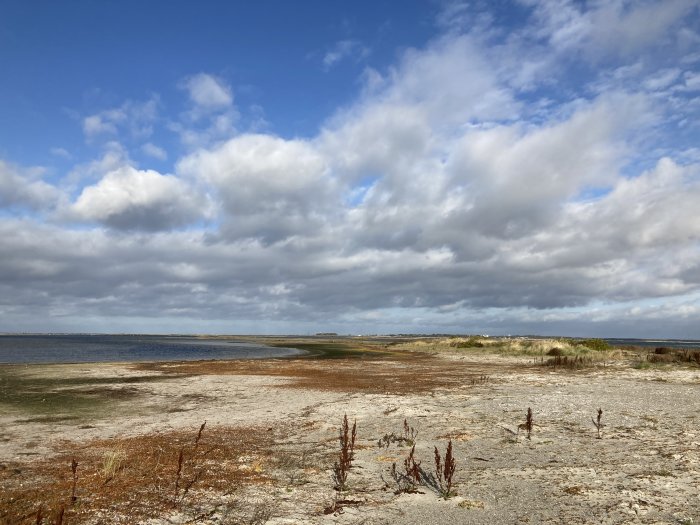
(100, 348)
(654, 343)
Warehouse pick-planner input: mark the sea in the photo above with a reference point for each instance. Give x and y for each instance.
(656, 343)
(90, 348)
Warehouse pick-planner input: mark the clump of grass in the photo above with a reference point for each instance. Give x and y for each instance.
(346, 454)
(598, 423)
(471, 342)
(111, 463)
(569, 362)
(594, 344)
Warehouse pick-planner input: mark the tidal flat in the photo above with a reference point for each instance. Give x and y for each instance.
(267, 450)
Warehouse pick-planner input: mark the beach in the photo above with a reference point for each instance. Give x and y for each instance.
(270, 439)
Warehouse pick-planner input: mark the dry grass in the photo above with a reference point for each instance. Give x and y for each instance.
(142, 483)
(409, 373)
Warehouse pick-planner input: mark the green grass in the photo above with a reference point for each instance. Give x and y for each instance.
(63, 398)
(335, 350)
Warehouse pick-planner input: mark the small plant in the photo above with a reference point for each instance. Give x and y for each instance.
(527, 426)
(598, 424)
(74, 470)
(409, 433)
(408, 437)
(411, 477)
(444, 472)
(180, 468)
(346, 455)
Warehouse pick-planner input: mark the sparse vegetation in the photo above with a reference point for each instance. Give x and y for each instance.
(346, 454)
(408, 437)
(144, 485)
(196, 476)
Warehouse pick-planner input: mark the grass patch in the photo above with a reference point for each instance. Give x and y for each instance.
(64, 398)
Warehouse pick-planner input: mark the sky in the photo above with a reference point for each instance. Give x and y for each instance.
(272, 167)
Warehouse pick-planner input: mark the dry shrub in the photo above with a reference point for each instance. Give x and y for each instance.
(569, 362)
(674, 355)
(143, 485)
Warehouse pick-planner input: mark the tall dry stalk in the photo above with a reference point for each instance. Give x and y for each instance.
(74, 470)
(346, 454)
(527, 426)
(445, 472)
(598, 423)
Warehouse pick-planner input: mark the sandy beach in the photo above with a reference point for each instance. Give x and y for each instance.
(267, 451)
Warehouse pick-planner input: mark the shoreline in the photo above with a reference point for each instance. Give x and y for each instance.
(272, 428)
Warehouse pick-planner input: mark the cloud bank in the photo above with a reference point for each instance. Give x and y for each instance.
(469, 187)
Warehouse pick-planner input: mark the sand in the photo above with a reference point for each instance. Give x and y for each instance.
(645, 469)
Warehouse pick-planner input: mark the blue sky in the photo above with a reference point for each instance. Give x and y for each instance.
(442, 166)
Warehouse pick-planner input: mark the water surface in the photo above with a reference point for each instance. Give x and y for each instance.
(113, 348)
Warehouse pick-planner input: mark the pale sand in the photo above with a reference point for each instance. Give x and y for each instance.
(645, 469)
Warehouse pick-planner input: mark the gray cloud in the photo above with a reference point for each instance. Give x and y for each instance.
(24, 188)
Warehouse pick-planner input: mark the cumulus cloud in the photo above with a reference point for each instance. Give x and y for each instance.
(212, 114)
(270, 188)
(131, 199)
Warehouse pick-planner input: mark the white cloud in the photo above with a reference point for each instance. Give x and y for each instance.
(61, 152)
(601, 29)
(154, 151)
(344, 49)
(134, 117)
(691, 81)
(132, 199)
(270, 187)
(99, 124)
(208, 92)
